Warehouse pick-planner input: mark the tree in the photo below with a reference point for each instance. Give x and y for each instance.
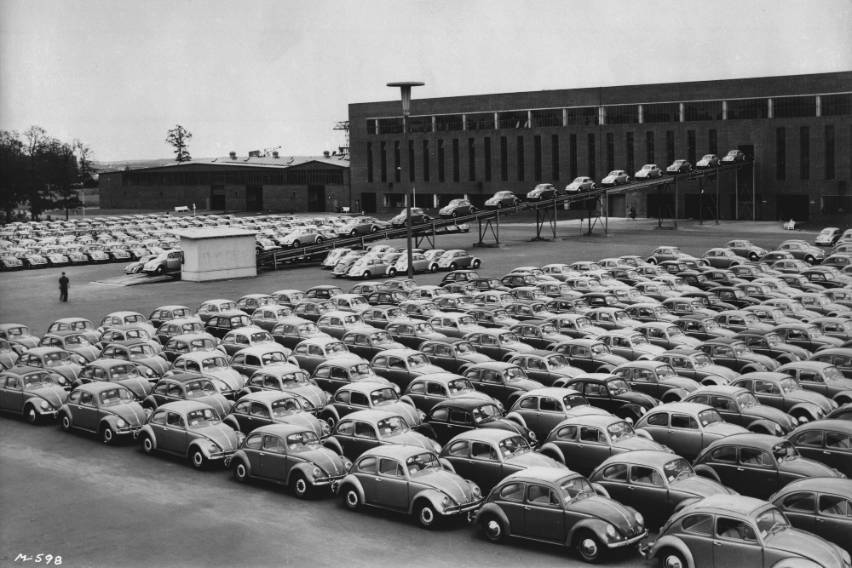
(178, 137)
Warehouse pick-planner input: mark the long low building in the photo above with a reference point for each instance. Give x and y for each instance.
(233, 183)
(795, 130)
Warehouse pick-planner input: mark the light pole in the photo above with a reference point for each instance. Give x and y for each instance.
(405, 94)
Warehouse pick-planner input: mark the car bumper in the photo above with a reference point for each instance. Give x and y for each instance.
(462, 509)
(331, 482)
(630, 541)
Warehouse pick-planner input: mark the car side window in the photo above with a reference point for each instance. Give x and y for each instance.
(436, 389)
(274, 444)
(346, 429)
(834, 506)
(759, 458)
(87, 399)
(243, 407)
(259, 410)
(684, 421)
(359, 399)
(549, 404)
(698, 524)
(658, 419)
(159, 418)
(734, 529)
(483, 451)
(459, 416)
(838, 440)
(440, 415)
(458, 449)
(589, 434)
(513, 492)
(810, 438)
(174, 419)
(645, 476)
(390, 468)
(615, 472)
(364, 430)
(801, 502)
(726, 455)
(529, 403)
(368, 465)
(541, 495)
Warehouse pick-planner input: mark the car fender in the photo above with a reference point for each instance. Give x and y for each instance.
(352, 481)
(232, 422)
(843, 397)
(553, 451)
(600, 490)
(764, 426)
(597, 526)
(809, 409)
(630, 412)
(447, 465)
(109, 420)
(239, 455)
(669, 541)
(36, 401)
(642, 433)
(407, 400)
(147, 430)
(149, 402)
(333, 444)
(200, 444)
(796, 562)
(495, 510)
(517, 418)
(707, 471)
(305, 468)
(674, 395)
(329, 409)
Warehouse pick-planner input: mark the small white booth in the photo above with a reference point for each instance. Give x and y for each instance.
(217, 254)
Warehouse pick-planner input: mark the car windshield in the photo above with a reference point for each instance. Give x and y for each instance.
(295, 378)
(576, 488)
(285, 407)
(381, 337)
(424, 327)
(620, 431)
(417, 361)
(617, 386)
(785, 451)
(335, 347)
(771, 521)
(746, 400)
(513, 446)
(56, 359)
(302, 442)
(118, 395)
(16, 331)
(308, 330)
(463, 347)
(678, 469)
(273, 357)
(599, 348)
(360, 371)
(200, 388)
(514, 374)
(202, 344)
(214, 363)
(392, 426)
(383, 396)
(123, 371)
(260, 336)
(38, 380)
(665, 371)
(424, 462)
(701, 360)
(710, 416)
(486, 412)
(459, 386)
(557, 362)
(200, 418)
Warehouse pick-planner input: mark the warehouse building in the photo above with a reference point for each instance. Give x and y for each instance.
(795, 130)
(255, 182)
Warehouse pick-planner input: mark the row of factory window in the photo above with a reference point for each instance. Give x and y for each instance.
(384, 158)
(740, 109)
(295, 177)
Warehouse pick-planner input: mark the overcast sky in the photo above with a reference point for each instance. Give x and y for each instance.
(253, 75)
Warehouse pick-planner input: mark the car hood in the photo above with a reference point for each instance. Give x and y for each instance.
(807, 468)
(223, 436)
(88, 352)
(608, 510)
(158, 364)
(304, 419)
(408, 412)
(644, 400)
(686, 340)
(772, 413)
(723, 429)
(428, 369)
(219, 403)
(53, 394)
(326, 459)
(532, 459)
(138, 386)
(449, 483)
(802, 395)
(412, 438)
(132, 413)
(230, 377)
(699, 486)
(805, 544)
(637, 443)
(474, 357)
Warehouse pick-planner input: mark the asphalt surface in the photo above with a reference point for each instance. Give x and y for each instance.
(68, 495)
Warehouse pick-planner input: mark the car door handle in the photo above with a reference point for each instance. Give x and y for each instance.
(261, 454)
(630, 488)
(740, 469)
(826, 452)
(526, 508)
(717, 543)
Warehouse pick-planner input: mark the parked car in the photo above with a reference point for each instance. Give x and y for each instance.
(686, 427)
(616, 177)
(426, 391)
(418, 217)
(542, 191)
(828, 441)
(827, 237)
(679, 167)
(648, 171)
(362, 430)
(821, 377)
(820, 506)
(656, 379)
(783, 392)
(732, 156)
(457, 208)
(708, 161)
(502, 199)
(109, 410)
(31, 392)
(581, 183)
(262, 408)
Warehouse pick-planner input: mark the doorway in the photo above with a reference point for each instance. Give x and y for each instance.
(316, 198)
(217, 197)
(368, 203)
(254, 198)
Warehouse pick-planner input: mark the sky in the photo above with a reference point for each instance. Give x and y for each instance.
(257, 75)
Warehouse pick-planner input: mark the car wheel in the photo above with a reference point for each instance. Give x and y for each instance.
(147, 444)
(476, 263)
(455, 214)
(652, 260)
(753, 256)
(493, 528)
(366, 275)
(809, 259)
(159, 270)
(374, 229)
(353, 233)
(30, 414)
(107, 435)
(426, 515)
(391, 272)
(589, 547)
(197, 458)
(453, 266)
(301, 487)
(433, 268)
(296, 243)
(65, 423)
(319, 240)
(330, 420)
(351, 499)
(671, 558)
(240, 471)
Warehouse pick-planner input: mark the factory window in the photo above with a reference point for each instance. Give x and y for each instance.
(704, 110)
(554, 156)
(649, 146)
(411, 160)
(805, 152)
(631, 158)
(829, 151)
(590, 143)
(419, 124)
(455, 159)
(471, 160)
(383, 162)
(662, 112)
(520, 153)
(780, 153)
(670, 146)
(512, 119)
(397, 167)
(425, 160)
(448, 122)
(390, 126)
(572, 149)
(371, 126)
(548, 117)
(480, 121)
(504, 159)
(440, 160)
(537, 157)
(712, 142)
(583, 116)
(748, 108)
(610, 151)
(790, 107)
(834, 105)
(622, 114)
(487, 158)
(690, 146)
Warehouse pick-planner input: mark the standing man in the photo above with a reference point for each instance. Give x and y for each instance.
(63, 288)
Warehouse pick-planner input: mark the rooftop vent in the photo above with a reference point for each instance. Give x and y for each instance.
(327, 154)
(275, 155)
(254, 154)
(233, 155)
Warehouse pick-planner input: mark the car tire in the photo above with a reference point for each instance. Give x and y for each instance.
(159, 270)
(493, 528)
(476, 263)
(319, 241)
(391, 271)
(366, 275)
(197, 458)
(353, 233)
(433, 268)
(65, 422)
(810, 260)
(752, 256)
(425, 514)
(374, 229)
(589, 547)
(240, 471)
(300, 486)
(330, 420)
(453, 266)
(30, 414)
(652, 260)
(107, 435)
(351, 498)
(296, 243)
(147, 444)
(671, 558)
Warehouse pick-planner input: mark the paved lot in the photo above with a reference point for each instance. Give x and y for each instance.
(98, 506)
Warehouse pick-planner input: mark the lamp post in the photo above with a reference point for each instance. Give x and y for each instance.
(405, 95)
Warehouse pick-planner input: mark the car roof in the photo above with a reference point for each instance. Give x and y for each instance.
(541, 473)
(721, 503)
(183, 406)
(370, 415)
(485, 435)
(96, 387)
(365, 386)
(263, 348)
(764, 441)
(437, 377)
(278, 369)
(466, 402)
(642, 364)
(685, 407)
(550, 391)
(281, 429)
(838, 485)
(320, 340)
(728, 390)
(267, 396)
(395, 451)
(601, 420)
(404, 352)
(656, 458)
(833, 424)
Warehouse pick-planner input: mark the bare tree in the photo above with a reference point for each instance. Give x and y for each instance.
(178, 137)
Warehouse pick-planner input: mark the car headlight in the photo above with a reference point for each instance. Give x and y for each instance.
(347, 465)
(445, 502)
(121, 423)
(213, 448)
(436, 447)
(44, 405)
(396, 389)
(802, 418)
(611, 533)
(640, 520)
(779, 430)
(477, 492)
(316, 472)
(326, 429)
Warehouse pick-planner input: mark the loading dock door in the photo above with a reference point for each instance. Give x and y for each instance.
(217, 197)
(368, 202)
(316, 198)
(793, 207)
(254, 198)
